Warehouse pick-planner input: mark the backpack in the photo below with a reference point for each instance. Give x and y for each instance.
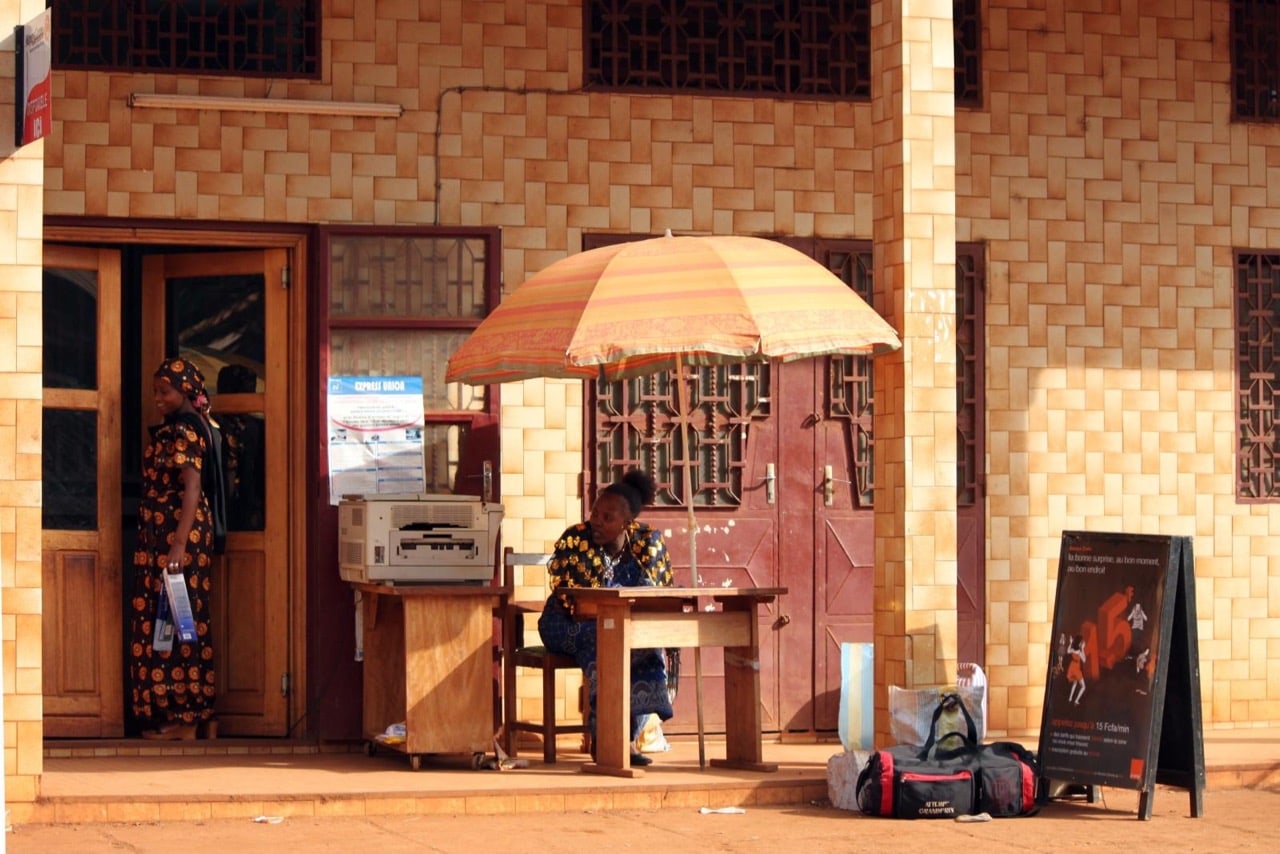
(213, 482)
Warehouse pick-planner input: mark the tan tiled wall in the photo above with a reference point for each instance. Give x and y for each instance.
(21, 214)
(1111, 189)
(1102, 174)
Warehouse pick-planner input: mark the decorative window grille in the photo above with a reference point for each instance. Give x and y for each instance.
(1257, 369)
(970, 366)
(246, 38)
(783, 48)
(638, 425)
(967, 18)
(850, 386)
(635, 422)
(1255, 59)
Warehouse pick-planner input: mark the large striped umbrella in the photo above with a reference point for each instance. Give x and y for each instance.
(665, 304)
(650, 305)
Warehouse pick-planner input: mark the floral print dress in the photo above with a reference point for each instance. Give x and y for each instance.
(577, 562)
(175, 686)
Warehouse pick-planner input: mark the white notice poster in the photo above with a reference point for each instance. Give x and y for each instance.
(375, 436)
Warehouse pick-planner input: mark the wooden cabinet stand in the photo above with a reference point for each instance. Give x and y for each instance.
(428, 661)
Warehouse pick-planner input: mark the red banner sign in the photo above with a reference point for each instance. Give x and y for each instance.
(34, 113)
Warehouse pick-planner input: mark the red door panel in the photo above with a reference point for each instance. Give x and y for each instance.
(797, 499)
(844, 573)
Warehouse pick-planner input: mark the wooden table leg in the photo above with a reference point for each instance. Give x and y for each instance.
(613, 692)
(743, 718)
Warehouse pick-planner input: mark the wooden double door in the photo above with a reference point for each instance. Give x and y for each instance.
(800, 521)
(111, 315)
(784, 460)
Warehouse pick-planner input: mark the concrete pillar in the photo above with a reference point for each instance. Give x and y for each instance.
(914, 228)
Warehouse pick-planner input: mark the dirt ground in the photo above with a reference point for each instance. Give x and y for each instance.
(1235, 820)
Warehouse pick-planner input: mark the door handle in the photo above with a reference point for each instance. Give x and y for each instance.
(829, 481)
(770, 483)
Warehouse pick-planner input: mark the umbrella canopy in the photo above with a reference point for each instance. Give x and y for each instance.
(636, 308)
(664, 304)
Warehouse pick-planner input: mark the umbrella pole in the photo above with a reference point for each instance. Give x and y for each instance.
(697, 689)
(682, 395)
(682, 400)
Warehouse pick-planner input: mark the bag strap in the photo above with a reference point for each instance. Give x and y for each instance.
(969, 740)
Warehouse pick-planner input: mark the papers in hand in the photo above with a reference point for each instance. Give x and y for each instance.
(184, 622)
(162, 639)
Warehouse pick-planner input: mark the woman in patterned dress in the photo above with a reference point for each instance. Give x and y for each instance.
(172, 690)
(611, 549)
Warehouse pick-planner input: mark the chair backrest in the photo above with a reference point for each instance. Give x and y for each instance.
(516, 611)
(512, 558)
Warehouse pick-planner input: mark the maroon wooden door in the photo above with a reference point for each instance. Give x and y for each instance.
(783, 497)
(770, 515)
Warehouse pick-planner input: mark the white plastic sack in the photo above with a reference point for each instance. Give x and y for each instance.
(911, 712)
(650, 739)
(842, 778)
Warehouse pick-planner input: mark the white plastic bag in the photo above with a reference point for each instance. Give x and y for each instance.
(650, 738)
(911, 712)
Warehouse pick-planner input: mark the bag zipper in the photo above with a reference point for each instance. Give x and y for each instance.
(918, 777)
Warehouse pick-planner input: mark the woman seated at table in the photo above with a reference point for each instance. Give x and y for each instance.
(611, 549)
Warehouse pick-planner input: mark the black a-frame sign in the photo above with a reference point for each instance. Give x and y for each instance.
(1122, 693)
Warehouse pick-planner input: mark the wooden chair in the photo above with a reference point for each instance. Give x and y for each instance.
(517, 654)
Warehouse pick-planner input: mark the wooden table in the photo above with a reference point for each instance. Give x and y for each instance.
(630, 618)
(428, 661)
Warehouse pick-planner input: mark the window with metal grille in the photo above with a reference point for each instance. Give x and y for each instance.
(637, 425)
(966, 16)
(971, 278)
(246, 38)
(1257, 376)
(634, 422)
(400, 302)
(784, 48)
(850, 385)
(1255, 59)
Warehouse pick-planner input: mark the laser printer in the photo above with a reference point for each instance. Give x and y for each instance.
(417, 539)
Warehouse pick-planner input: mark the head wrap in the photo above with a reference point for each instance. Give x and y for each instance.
(186, 378)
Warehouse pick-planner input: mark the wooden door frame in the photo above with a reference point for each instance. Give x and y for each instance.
(107, 540)
(294, 242)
